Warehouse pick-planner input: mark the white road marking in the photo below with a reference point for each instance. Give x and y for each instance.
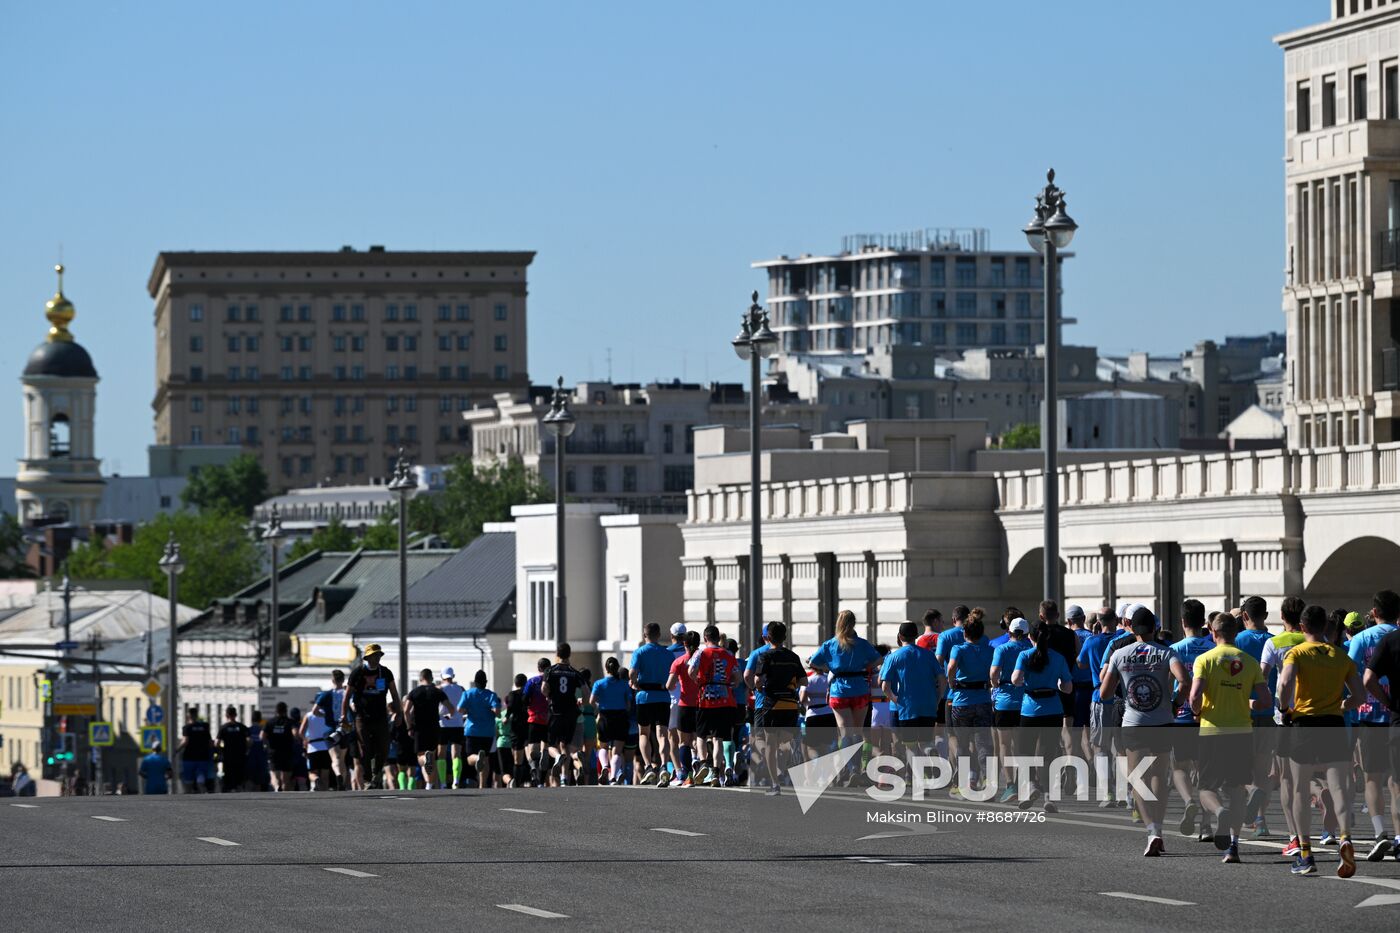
(676, 832)
(518, 810)
(1146, 897)
(1380, 900)
(533, 911)
(110, 819)
(216, 841)
(26, 806)
(352, 872)
(898, 835)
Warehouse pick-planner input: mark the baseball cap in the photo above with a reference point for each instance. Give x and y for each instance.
(678, 628)
(1018, 624)
(448, 673)
(1074, 611)
(372, 649)
(1354, 621)
(1124, 610)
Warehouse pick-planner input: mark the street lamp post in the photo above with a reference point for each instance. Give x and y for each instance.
(561, 423)
(403, 484)
(273, 536)
(1050, 231)
(173, 565)
(755, 343)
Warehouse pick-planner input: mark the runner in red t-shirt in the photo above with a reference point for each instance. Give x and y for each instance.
(685, 708)
(713, 669)
(933, 624)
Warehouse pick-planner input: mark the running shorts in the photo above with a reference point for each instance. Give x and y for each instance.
(858, 704)
(674, 723)
(975, 716)
(1102, 717)
(452, 735)
(652, 714)
(775, 719)
(1151, 740)
(1083, 700)
(882, 714)
(1006, 718)
(1371, 738)
(476, 744)
(1225, 760)
(613, 725)
(715, 721)
(685, 719)
(942, 716)
(1319, 740)
(1186, 742)
(537, 732)
(318, 761)
(426, 740)
(562, 727)
(820, 721)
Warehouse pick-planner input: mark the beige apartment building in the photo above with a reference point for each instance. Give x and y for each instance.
(323, 364)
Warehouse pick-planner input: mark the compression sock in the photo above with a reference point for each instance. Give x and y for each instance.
(729, 754)
(685, 757)
(1377, 827)
(457, 770)
(441, 772)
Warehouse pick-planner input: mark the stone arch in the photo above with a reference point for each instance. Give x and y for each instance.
(1024, 581)
(1349, 576)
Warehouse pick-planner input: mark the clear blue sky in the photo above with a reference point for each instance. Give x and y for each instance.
(649, 152)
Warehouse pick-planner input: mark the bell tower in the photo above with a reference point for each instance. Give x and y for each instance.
(59, 479)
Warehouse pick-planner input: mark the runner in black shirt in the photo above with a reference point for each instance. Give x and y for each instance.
(371, 688)
(778, 675)
(517, 718)
(233, 751)
(562, 687)
(1385, 666)
(196, 754)
(281, 748)
(424, 707)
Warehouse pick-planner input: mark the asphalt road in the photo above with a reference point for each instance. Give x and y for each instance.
(635, 858)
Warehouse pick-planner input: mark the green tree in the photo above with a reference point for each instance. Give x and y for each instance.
(1023, 436)
(220, 557)
(383, 535)
(236, 487)
(12, 548)
(473, 496)
(334, 537)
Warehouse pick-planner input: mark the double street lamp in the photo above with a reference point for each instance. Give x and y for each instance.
(273, 536)
(173, 565)
(403, 484)
(560, 423)
(755, 343)
(1051, 230)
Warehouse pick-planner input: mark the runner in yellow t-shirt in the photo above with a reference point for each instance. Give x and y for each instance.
(1311, 685)
(1223, 679)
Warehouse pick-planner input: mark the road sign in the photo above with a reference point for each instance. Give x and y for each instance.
(150, 736)
(151, 688)
(100, 733)
(66, 646)
(75, 698)
(155, 715)
(46, 689)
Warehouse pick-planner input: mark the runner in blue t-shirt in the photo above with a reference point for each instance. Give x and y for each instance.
(913, 679)
(1197, 641)
(1006, 699)
(651, 666)
(850, 659)
(969, 706)
(1373, 730)
(155, 770)
(1045, 675)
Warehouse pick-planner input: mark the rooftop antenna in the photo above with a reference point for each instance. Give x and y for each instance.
(609, 358)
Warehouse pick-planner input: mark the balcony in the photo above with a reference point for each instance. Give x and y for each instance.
(584, 445)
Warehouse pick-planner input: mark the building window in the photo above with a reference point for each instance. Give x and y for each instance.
(284, 313)
(965, 272)
(600, 479)
(338, 343)
(391, 433)
(233, 405)
(341, 374)
(357, 432)
(410, 343)
(410, 312)
(1023, 271)
(391, 312)
(678, 478)
(1358, 94)
(340, 464)
(1303, 106)
(500, 312)
(357, 312)
(305, 465)
(998, 336)
(464, 373)
(444, 312)
(444, 373)
(232, 313)
(464, 341)
(337, 312)
(340, 404)
(500, 342)
(391, 403)
(502, 373)
(410, 372)
(444, 341)
(286, 373)
(966, 303)
(464, 312)
(1390, 90)
(359, 464)
(410, 403)
(234, 344)
(967, 335)
(196, 435)
(304, 344)
(233, 435)
(1023, 304)
(357, 372)
(391, 371)
(936, 274)
(357, 343)
(233, 374)
(304, 373)
(196, 312)
(541, 610)
(357, 404)
(938, 333)
(196, 404)
(1329, 101)
(444, 404)
(304, 313)
(305, 404)
(668, 439)
(391, 343)
(629, 479)
(410, 434)
(196, 344)
(250, 343)
(570, 483)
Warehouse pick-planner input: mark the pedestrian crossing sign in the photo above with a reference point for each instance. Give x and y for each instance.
(152, 737)
(100, 734)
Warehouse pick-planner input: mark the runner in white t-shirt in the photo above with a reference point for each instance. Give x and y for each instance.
(315, 727)
(453, 731)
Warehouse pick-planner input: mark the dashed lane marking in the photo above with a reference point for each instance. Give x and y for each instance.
(1149, 898)
(351, 872)
(676, 832)
(215, 840)
(533, 911)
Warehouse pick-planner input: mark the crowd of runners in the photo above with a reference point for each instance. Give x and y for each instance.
(1219, 711)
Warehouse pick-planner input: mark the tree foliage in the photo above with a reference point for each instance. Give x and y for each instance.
(12, 548)
(473, 496)
(220, 557)
(1023, 436)
(236, 487)
(334, 537)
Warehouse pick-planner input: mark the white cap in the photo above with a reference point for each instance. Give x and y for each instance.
(448, 673)
(1132, 608)
(678, 629)
(1123, 609)
(1018, 624)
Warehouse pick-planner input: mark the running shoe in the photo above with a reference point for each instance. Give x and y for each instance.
(1293, 849)
(1232, 855)
(1327, 839)
(730, 778)
(1261, 829)
(775, 791)
(1050, 808)
(955, 792)
(1222, 829)
(1347, 868)
(1188, 819)
(687, 782)
(649, 778)
(1380, 850)
(1108, 804)
(1252, 805)
(1030, 799)
(663, 779)
(1137, 817)
(702, 774)
(1154, 847)
(1007, 795)
(1205, 834)
(1303, 866)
